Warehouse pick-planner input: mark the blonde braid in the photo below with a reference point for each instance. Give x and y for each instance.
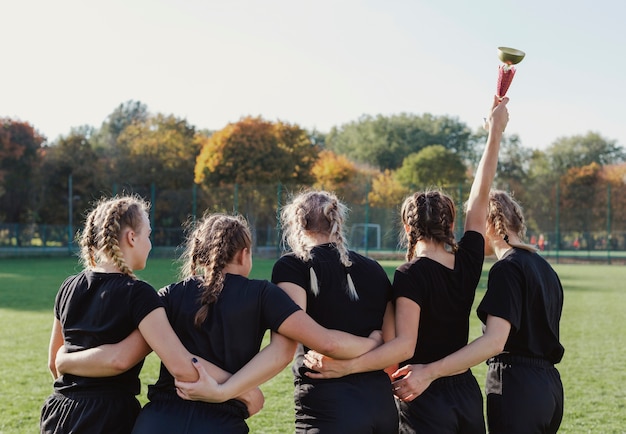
(103, 227)
(110, 236)
(335, 219)
(88, 241)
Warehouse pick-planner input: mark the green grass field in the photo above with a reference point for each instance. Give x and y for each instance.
(592, 370)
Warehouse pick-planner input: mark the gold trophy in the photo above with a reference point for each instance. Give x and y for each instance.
(509, 57)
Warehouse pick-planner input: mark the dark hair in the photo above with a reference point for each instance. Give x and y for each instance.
(215, 241)
(429, 215)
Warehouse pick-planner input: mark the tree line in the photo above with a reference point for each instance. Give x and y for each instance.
(376, 160)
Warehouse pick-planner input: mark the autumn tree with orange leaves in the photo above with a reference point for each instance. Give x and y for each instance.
(256, 151)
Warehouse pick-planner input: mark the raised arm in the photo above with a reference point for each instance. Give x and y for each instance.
(476, 214)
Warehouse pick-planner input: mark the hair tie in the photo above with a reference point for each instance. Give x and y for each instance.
(506, 238)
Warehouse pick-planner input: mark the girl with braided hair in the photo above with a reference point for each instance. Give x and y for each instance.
(341, 290)
(103, 305)
(521, 312)
(433, 293)
(222, 316)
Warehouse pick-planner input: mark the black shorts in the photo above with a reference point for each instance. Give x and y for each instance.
(170, 414)
(355, 404)
(524, 395)
(450, 405)
(89, 413)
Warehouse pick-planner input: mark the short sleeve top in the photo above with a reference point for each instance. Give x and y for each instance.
(526, 291)
(445, 297)
(332, 307)
(102, 308)
(235, 325)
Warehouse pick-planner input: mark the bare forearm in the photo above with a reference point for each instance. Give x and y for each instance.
(471, 355)
(265, 365)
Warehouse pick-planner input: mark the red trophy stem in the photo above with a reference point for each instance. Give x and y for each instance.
(505, 77)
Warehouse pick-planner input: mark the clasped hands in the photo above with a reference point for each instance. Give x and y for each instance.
(408, 383)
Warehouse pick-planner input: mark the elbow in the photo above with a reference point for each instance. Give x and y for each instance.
(120, 364)
(53, 369)
(405, 353)
(496, 346)
(406, 348)
(330, 347)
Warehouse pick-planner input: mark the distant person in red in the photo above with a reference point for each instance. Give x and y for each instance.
(541, 243)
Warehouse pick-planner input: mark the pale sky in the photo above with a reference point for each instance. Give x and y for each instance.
(317, 64)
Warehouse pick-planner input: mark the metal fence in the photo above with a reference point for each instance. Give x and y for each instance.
(588, 231)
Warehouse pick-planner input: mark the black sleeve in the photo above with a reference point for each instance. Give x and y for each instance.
(504, 295)
(405, 285)
(290, 269)
(143, 300)
(277, 305)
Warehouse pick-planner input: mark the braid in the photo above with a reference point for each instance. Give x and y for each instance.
(410, 218)
(447, 213)
(428, 215)
(505, 214)
(213, 244)
(103, 227)
(335, 219)
(110, 237)
(316, 211)
(88, 241)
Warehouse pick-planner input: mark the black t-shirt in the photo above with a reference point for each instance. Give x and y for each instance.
(445, 297)
(524, 290)
(102, 308)
(332, 307)
(236, 323)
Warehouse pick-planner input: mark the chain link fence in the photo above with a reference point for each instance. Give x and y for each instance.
(587, 223)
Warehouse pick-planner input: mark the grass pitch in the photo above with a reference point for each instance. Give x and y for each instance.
(591, 330)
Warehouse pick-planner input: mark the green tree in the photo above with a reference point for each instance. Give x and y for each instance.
(69, 155)
(161, 153)
(579, 151)
(385, 141)
(432, 166)
(126, 114)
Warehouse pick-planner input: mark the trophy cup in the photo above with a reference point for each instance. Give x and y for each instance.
(509, 57)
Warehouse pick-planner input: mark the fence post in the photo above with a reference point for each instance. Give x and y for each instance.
(557, 229)
(367, 217)
(152, 203)
(608, 223)
(70, 207)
